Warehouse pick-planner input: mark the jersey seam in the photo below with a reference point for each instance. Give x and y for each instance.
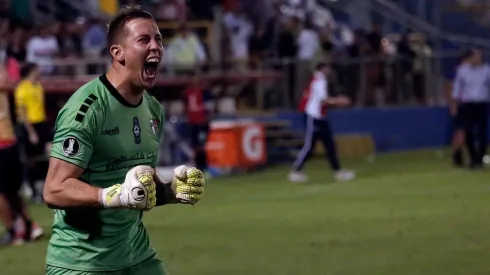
(91, 269)
(67, 160)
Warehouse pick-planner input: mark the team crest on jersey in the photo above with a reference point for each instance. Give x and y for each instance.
(154, 125)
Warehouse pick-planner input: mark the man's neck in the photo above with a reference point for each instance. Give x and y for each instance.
(32, 80)
(123, 86)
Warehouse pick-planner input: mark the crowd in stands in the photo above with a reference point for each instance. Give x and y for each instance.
(305, 32)
(286, 35)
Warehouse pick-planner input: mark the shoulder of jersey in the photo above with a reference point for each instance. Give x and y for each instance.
(153, 102)
(87, 98)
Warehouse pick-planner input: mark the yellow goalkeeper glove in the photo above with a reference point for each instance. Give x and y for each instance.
(188, 184)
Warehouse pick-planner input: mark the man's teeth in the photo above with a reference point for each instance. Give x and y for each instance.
(153, 59)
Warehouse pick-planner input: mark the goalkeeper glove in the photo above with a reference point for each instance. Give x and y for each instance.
(137, 191)
(188, 184)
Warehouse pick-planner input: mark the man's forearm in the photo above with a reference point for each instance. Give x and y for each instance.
(332, 100)
(72, 193)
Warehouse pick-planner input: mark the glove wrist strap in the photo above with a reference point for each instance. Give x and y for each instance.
(110, 197)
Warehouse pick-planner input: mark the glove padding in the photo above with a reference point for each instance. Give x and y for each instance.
(188, 184)
(137, 191)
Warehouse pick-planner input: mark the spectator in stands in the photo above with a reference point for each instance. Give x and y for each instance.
(199, 107)
(286, 46)
(404, 67)
(94, 38)
(11, 204)
(16, 54)
(258, 47)
(471, 95)
(257, 11)
(308, 43)
(376, 78)
(17, 48)
(170, 10)
(4, 33)
(286, 49)
(69, 38)
(185, 52)
(29, 103)
(326, 38)
(202, 9)
(42, 48)
(301, 9)
(309, 46)
(314, 104)
(94, 44)
(239, 29)
(421, 69)
(374, 38)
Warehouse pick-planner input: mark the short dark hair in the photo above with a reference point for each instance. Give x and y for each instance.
(123, 16)
(467, 54)
(321, 66)
(26, 70)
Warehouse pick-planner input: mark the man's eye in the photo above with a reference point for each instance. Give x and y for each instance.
(143, 40)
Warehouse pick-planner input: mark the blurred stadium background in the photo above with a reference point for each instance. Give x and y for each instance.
(408, 212)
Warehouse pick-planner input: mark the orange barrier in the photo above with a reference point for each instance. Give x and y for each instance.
(236, 144)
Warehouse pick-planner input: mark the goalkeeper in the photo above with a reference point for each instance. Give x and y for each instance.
(101, 173)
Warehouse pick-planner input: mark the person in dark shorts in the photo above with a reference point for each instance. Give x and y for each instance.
(36, 132)
(471, 97)
(12, 207)
(458, 139)
(199, 107)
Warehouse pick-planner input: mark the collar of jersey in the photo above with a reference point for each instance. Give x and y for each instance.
(116, 94)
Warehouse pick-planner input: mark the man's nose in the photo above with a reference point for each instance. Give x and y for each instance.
(155, 45)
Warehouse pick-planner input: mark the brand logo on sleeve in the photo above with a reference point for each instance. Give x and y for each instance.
(136, 130)
(154, 125)
(71, 146)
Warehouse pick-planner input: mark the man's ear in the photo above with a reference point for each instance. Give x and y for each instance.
(117, 53)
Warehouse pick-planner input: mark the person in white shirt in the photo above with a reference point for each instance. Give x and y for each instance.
(240, 29)
(314, 103)
(471, 95)
(308, 43)
(185, 52)
(41, 49)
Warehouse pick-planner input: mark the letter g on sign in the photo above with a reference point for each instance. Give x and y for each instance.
(252, 145)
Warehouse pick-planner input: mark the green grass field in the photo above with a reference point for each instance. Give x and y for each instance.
(409, 213)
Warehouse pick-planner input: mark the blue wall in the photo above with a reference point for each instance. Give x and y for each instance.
(391, 129)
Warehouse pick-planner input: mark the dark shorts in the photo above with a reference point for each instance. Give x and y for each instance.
(468, 113)
(10, 170)
(44, 133)
(199, 135)
(458, 121)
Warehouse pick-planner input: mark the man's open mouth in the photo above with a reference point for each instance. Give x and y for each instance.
(151, 66)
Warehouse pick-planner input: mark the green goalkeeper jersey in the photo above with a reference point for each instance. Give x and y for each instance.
(102, 133)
